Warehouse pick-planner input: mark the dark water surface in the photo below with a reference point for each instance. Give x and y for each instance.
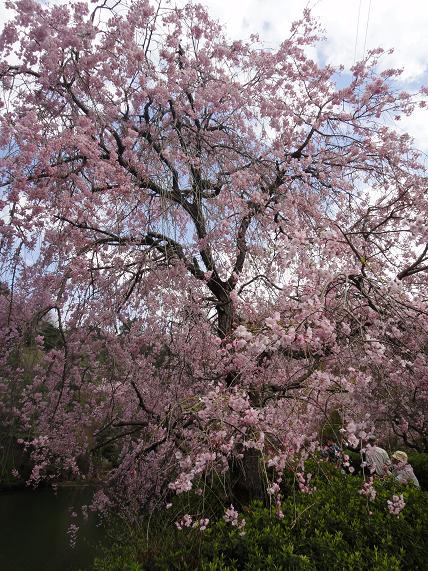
(33, 530)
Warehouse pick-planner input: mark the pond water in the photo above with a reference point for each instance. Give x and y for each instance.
(33, 530)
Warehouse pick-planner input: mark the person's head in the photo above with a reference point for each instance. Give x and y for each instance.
(399, 457)
(371, 439)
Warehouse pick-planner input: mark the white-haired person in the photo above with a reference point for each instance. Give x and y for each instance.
(377, 458)
(402, 470)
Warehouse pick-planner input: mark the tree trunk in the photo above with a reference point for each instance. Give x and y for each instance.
(249, 483)
(224, 317)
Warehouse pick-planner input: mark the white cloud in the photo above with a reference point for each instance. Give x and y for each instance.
(384, 23)
(417, 126)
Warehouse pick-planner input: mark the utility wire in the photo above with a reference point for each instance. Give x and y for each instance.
(367, 27)
(356, 33)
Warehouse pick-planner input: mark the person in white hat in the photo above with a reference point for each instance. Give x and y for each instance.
(402, 470)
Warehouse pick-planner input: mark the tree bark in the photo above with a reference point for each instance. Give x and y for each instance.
(224, 317)
(250, 482)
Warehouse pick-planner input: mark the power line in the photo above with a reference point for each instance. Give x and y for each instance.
(356, 33)
(367, 26)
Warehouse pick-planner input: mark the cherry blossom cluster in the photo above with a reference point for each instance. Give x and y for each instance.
(368, 490)
(187, 521)
(232, 516)
(274, 491)
(347, 464)
(396, 504)
(303, 481)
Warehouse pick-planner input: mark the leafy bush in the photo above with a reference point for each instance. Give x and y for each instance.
(334, 527)
(118, 558)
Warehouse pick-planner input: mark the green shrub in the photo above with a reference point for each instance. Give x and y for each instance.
(332, 528)
(328, 529)
(419, 463)
(118, 558)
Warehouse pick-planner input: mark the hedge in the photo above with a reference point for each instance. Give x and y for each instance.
(334, 527)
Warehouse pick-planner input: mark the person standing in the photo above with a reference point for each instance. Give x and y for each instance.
(377, 458)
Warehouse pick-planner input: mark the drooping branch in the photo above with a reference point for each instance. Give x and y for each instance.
(416, 266)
